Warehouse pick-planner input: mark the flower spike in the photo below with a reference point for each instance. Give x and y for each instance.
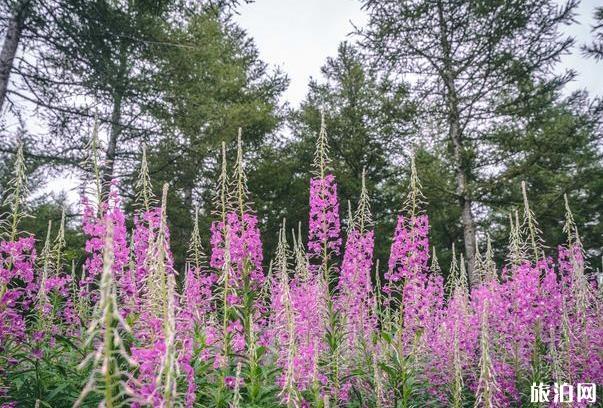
(487, 387)
(105, 335)
(92, 166)
(145, 199)
(59, 245)
(196, 254)
(516, 253)
(18, 191)
(363, 212)
(415, 200)
(530, 227)
(435, 268)
(238, 190)
(322, 162)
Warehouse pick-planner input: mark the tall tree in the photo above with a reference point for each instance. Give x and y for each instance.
(87, 60)
(366, 115)
(466, 59)
(92, 63)
(211, 85)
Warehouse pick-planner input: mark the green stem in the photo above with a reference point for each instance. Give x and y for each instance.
(108, 345)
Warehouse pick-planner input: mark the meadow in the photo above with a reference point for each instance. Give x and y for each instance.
(320, 325)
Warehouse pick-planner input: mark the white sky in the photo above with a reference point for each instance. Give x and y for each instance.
(298, 36)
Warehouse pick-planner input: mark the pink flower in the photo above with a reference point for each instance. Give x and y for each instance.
(324, 226)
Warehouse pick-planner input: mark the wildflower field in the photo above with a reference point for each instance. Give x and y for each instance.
(320, 325)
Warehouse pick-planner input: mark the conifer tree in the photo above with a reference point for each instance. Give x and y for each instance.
(470, 61)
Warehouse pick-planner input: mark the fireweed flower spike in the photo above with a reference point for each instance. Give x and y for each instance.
(221, 203)
(324, 240)
(195, 254)
(82, 304)
(92, 166)
(105, 336)
(415, 200)
(583, 293)
(280, 291)
(530, 228)
(246, 244)
(198, 281)
(557, 373)
(324, 224)
(453, 273)
(308, 309)
(17, 259)
(457, 382)
(580, 330)
(285, 323)
(93, 226)
(461, 286)
(159, 266)
(487, 387)
(569, 225)
(145, 199)
(355, 297)
(146, 224)
(363, 212)
(410, 246)
(489, 264)
(156, 344)
(237, 253)
(169, 371)
(239, 194)
(220, 253)
(43, 306)
(434, 268)
(59, 246)
(516, 253)
(18, 191)
(378, 297)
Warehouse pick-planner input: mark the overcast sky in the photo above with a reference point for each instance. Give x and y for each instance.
(299, 35)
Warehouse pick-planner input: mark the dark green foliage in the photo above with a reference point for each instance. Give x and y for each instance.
(211, 85)
(52, 379)
(50, 208)
(558, 153)
(595, 49)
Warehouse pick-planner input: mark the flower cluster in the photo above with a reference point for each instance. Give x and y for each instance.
(324, 226)
(17, 286)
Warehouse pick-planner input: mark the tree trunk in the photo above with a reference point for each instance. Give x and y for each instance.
(112, 144)
(116, 126)
(188, 195)
(456, 138)
(465, 201)
(11, 43)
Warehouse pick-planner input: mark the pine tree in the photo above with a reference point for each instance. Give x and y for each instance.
(210, 86)
(365, 114)
(468, 58)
